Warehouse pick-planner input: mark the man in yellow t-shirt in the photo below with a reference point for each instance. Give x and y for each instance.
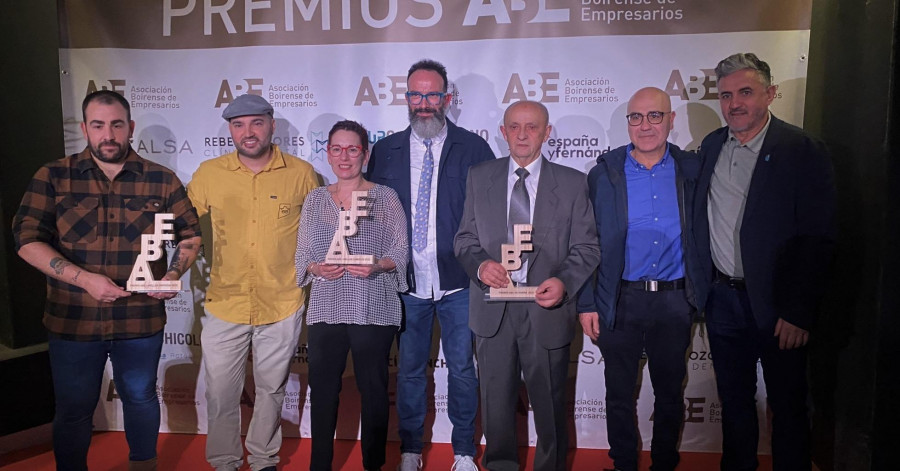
(253, 198)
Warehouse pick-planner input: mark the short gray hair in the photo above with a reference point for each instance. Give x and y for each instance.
(741, 61)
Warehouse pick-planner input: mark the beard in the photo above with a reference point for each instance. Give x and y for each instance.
(430, 126)
(115, 157)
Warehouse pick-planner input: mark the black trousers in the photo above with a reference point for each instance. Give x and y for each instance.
(370, 346)
(658, 323)
(736, 344)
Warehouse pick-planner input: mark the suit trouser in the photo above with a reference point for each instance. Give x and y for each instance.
(736, 344)
(225, 348)
(513, 352)
(370, 346)
(660, 324)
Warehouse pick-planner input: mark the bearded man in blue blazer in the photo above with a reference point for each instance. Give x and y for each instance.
(426, 164)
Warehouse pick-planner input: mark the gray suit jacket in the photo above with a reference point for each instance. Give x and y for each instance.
(564, 236)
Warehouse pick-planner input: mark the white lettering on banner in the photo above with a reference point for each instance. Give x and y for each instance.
(427, 22)
(306, 11)
(169, 13)
(249, 6)
(497, 9)
(222, 10)
(369, 19)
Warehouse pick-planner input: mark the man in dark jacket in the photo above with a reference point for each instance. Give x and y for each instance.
(765, 229)
(642, 300)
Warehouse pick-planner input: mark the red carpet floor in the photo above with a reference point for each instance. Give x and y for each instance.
(185, 452)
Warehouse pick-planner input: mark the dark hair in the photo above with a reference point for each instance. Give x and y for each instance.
(107, 97)
(352, 126)
(428, 64)
(741, 61)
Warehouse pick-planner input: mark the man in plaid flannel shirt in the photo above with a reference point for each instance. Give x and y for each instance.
(80, 223)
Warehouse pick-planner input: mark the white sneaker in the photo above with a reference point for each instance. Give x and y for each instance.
(463, 463)
(410, 462)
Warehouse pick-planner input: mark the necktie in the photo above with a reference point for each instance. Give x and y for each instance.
(519, 204)
(423, 201)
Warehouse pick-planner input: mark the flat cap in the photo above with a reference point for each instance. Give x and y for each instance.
(247, 105)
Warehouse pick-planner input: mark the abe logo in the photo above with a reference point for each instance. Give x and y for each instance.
(696, 87)
(498, 12)
(116, 85)
(390, 91)
(694, 410)
(543, 88)
(227, 91)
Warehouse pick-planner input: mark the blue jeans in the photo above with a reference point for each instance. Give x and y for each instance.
(77, 369)
(415, 351)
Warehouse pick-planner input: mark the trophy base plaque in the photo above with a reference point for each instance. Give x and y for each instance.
(511, 293)
(347, 259)
(153, 286)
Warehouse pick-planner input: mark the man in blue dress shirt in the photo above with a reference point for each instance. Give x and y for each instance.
(642, 299)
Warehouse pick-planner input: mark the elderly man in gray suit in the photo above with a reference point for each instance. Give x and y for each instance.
(527, 339)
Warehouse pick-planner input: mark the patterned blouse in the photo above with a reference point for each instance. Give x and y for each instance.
(382, 233)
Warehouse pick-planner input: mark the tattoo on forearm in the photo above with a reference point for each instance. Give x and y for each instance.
(59, 264)
(179, 259)
(75, 278)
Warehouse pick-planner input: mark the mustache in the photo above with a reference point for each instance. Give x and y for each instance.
(426, 110)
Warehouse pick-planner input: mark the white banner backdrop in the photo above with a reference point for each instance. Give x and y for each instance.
(180, 63)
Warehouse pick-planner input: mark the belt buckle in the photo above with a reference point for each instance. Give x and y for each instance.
(651, 285)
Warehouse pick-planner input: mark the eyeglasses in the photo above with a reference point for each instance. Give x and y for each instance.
(433, 98)
(653, 117)
(352, 151)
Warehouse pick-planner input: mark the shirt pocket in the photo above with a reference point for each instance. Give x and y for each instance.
(77, 219)
(284, 212)
(140, 214)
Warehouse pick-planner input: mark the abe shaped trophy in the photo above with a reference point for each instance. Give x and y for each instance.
(338, 253)
(512, 261)
(141, 279)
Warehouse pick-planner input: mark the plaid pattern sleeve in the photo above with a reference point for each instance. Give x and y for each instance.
(352, 300)
(97, 224)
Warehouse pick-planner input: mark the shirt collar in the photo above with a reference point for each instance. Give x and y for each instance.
(232, 162)
(755, 144)
(534, 168)
(663, 162)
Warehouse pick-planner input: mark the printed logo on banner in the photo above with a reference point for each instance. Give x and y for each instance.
(696, 87)
(375, 92)
(701, 86)
(140, 97)
(319, 142)
(578, 147)
(700, 360)
(227, 91)
(590, 408)
(545, 87)
(694, 411)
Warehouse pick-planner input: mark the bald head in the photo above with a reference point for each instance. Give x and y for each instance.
(650, 119)
(526, 126)
(536, 106)
(659, 97)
